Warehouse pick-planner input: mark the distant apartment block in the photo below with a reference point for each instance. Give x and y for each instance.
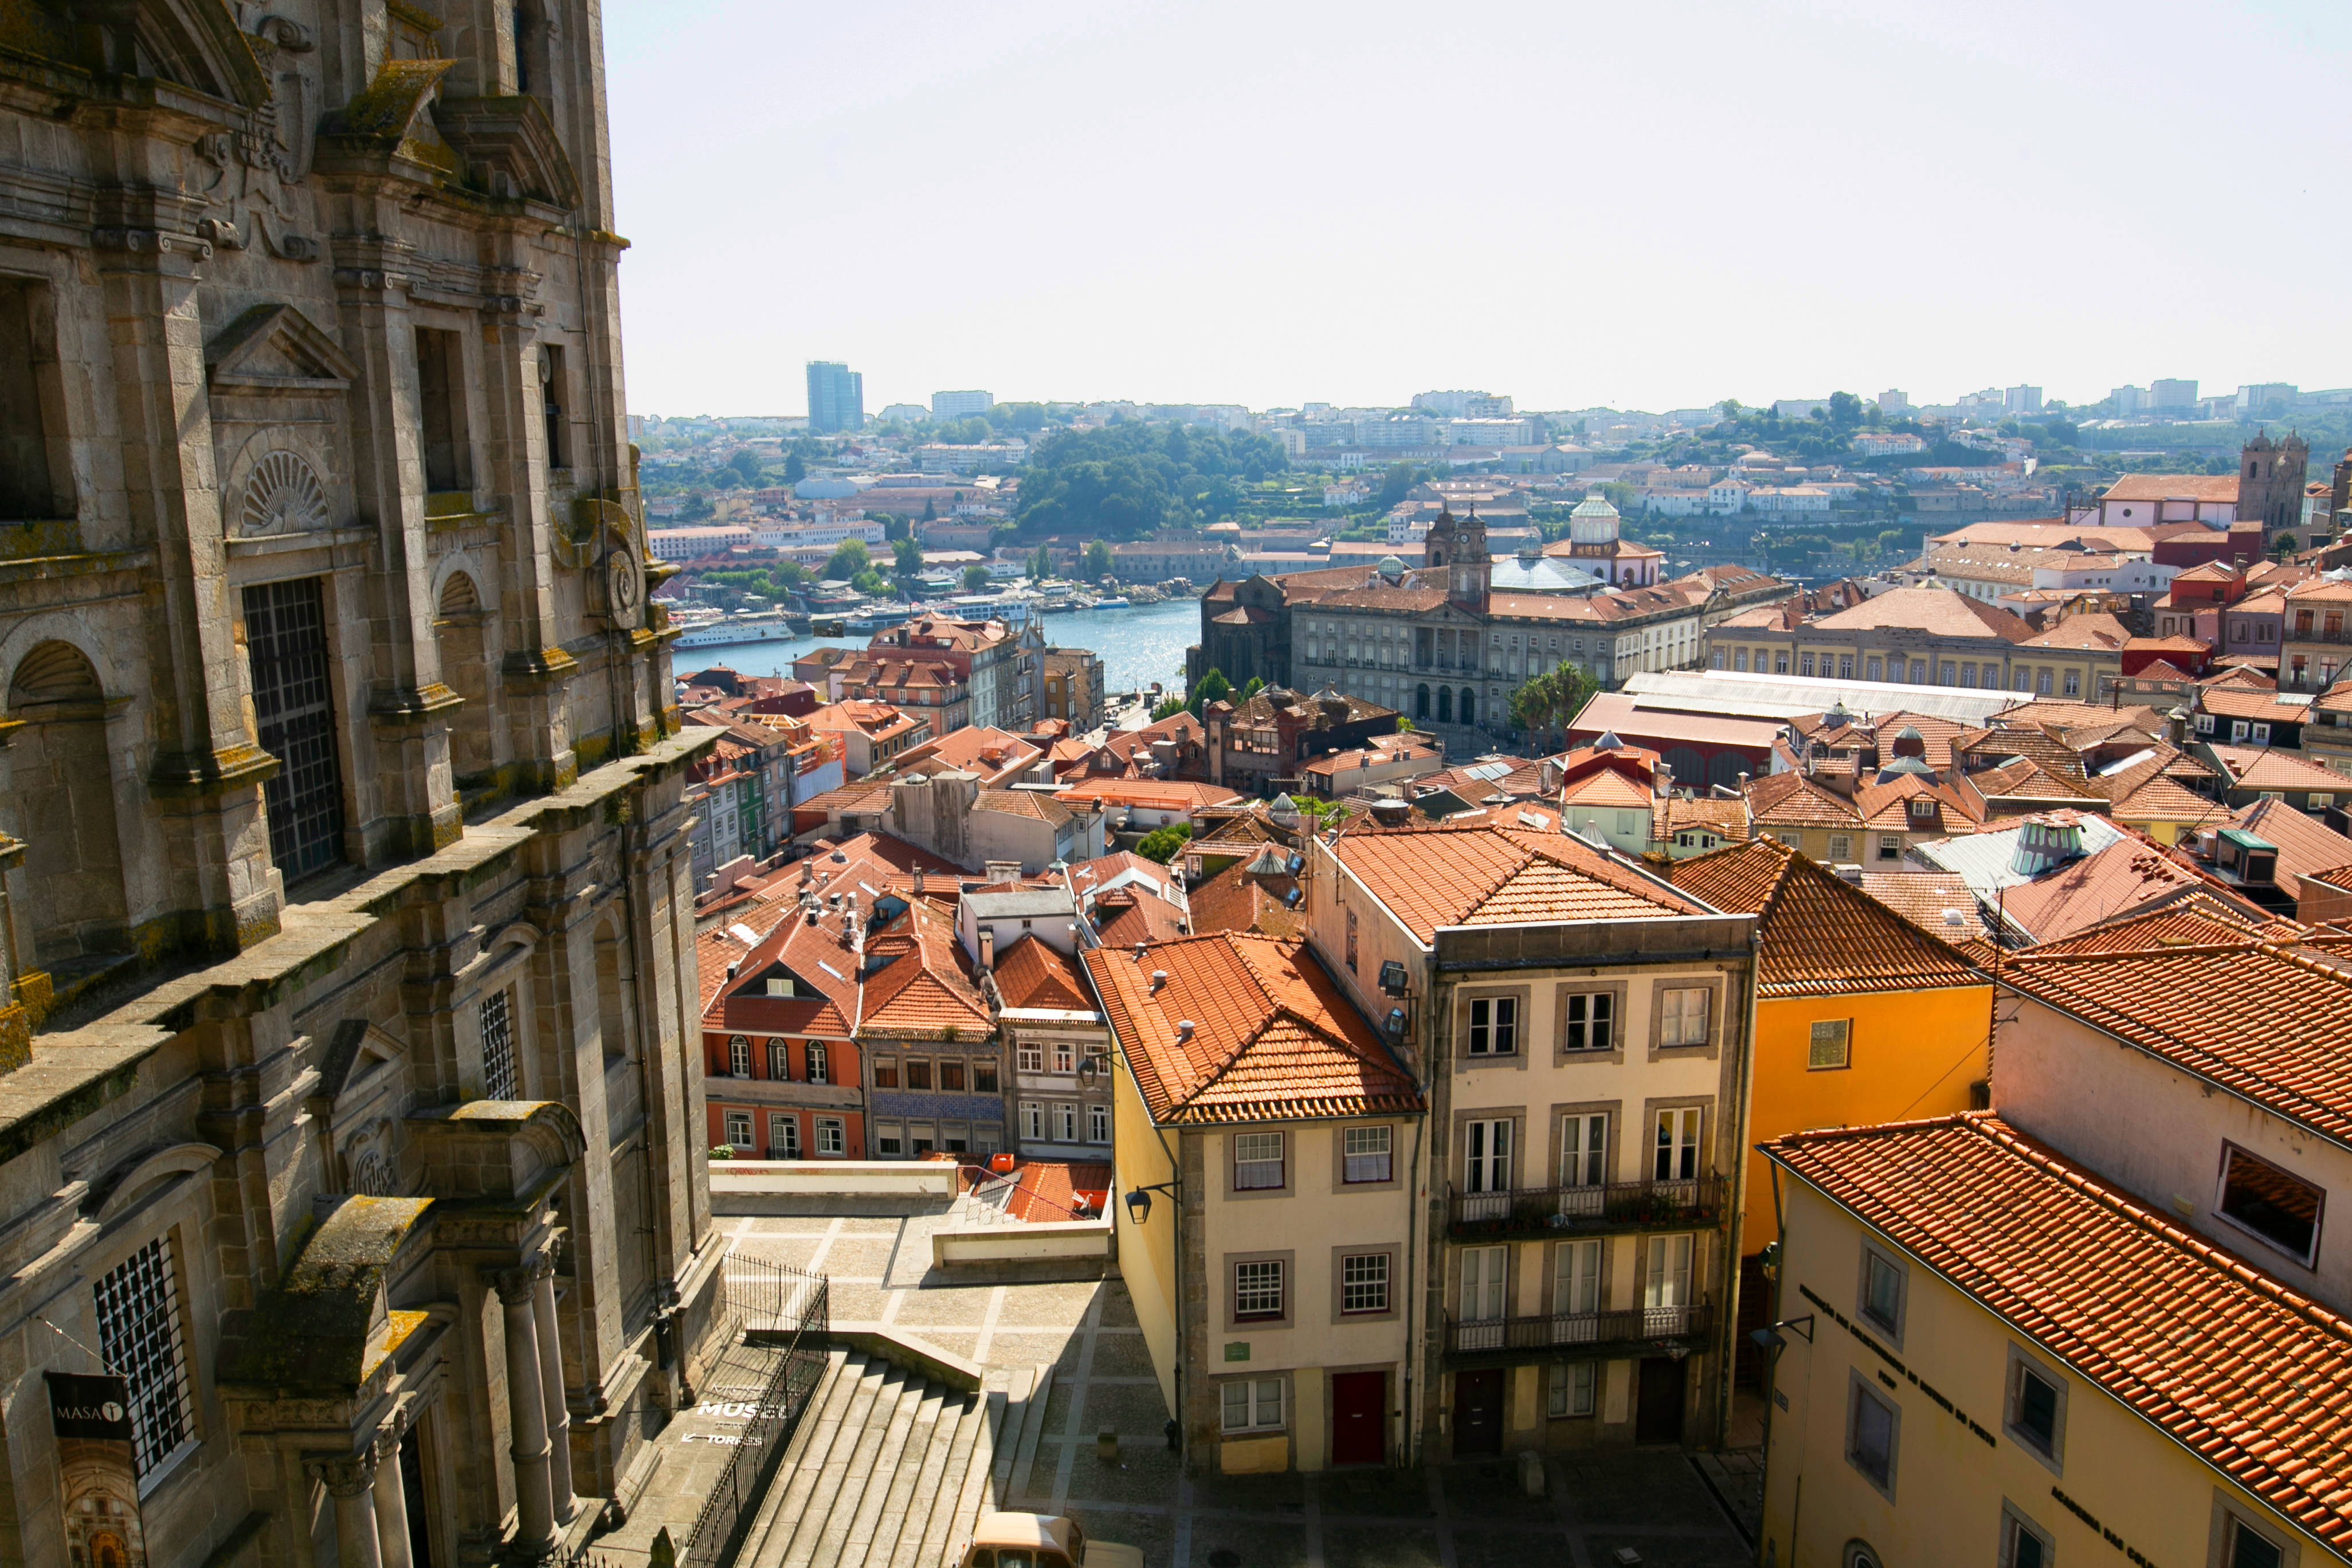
(960, 405)
(836, 398)
(1463, 404)
(2171, 396)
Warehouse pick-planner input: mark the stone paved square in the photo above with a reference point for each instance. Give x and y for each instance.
(1465, 1516)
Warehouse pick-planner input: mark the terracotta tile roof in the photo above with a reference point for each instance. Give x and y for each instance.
(2251, 1376)
(2305, 844)
(1924, 898)
(1726, 818)
(1938, 612)
(2256, 1019)
(2092, 633)
(823, 968)
(2129, 873)
(1449, 875)
(1047, 1190)
(2174, 487)
(1272, 1040)
(919, 990)
(1125, 916)
(1890, 807)
(2261, 767)
(1030, 973)
(1799, 803)
(1234, 900)
(713, 952)
(1022, 802)
(2149, 794)
(1158, 795)
(2189, 924)
(1821, 935)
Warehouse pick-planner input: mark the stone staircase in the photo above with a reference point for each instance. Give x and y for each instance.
(889, 1467)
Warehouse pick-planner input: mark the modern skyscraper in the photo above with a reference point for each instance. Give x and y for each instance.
(836, 398)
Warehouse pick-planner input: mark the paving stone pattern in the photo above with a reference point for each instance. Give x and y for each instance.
(1465, 1516)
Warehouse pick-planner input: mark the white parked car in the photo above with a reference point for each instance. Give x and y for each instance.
(1039, 1541)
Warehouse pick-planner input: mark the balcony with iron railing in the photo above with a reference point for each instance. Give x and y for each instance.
(1581, 1335)
(1683, 1204)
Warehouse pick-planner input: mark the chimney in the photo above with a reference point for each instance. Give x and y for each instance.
(1158, 978)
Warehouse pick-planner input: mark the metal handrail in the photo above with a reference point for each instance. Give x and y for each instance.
(1568, 1331)
(1695, 1201)
(784, 1399)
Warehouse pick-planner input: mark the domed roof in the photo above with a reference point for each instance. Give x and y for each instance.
(1390, 566)
(1594, 522)
(1594, 505)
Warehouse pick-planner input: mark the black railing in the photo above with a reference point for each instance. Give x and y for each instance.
(1578, 1332)
(1613, 1205)
(795, 1306)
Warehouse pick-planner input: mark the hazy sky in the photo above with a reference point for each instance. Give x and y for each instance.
(1643, 206)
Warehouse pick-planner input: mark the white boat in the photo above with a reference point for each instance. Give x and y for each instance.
(1115, 602)
(729, 631)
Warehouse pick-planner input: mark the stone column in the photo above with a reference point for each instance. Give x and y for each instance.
(527, 1415)
(391, 1501)
(350, 1483)
(551, 1377)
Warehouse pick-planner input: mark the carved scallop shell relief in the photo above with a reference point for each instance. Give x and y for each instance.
(282, 495)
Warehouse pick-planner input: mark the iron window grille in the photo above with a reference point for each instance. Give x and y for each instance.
(498, 1047)
(286, 643)
(139, 1335)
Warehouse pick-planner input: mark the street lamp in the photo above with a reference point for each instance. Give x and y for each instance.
(1138, 1201)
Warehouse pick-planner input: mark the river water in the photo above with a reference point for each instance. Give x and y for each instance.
(1139, 646)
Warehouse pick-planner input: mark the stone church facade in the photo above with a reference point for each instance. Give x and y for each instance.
(349, 1106)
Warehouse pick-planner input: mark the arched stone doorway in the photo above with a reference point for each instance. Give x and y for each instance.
(75, 903)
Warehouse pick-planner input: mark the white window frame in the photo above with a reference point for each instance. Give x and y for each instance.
(2015, 1521)
(738, 1057)
(1879, 1264)
(1675, 1023)
(1257, 1281)
(1841, 848)
(1364, 1282)
(1590, 1021)
(1258, 1156)
(1570, 1389)
(738, 1122)
(1494, 1026)
(1032, 1057)
(1033, 1119)
(1098, 1123)
(1486, 1156)
(1360, 1147)
(787, 1147)
(1259, 1409)
(832, 1137)
(1678, 1144)
(1484, 1287)
(1584, 1149)
(2230, 1153)
(814, 1051)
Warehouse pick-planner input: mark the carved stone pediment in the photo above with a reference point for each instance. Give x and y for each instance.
(509, 143)
(194, 43)
(277, 348)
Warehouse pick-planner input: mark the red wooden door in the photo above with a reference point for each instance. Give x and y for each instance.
(1359, 1417)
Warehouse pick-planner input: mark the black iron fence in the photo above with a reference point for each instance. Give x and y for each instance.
(1573, 1331)
(1611, 1206)
(786, 1310)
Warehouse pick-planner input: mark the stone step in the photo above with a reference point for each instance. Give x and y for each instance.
(1033, 1429)
(902, 1449)
(912, 1491)
(830, 1535)
(801, 1530)
(968, 1467)
(803, 1465)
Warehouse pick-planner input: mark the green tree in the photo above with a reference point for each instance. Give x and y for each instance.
(1041, 565)
(930, 509)
(1249, 689)
(1846, 410)
(1544, 705)
(847, 559)
(1211, 688)
(1161, 843)
(795, 470)
(975, 578)
(1133, 477)
(1395, 484)
(1097, 559)
(1167, 707)
(906, 565)
(746, 466)
(870, 582)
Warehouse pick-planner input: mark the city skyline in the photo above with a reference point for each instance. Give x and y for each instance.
(1269, 216)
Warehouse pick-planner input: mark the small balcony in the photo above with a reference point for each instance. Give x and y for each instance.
(1688, 1204)
(1581, 1335)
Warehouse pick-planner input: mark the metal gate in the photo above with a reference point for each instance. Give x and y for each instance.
(286, 641)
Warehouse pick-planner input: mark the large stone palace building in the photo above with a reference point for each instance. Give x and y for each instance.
(347, 1112)
(1442, 645)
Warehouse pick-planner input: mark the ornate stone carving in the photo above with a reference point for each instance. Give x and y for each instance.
(282, 495)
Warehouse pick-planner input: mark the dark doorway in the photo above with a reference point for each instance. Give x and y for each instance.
(1658, 1418)
(1477, 1413)
(1359, 1417)
(412, 1489)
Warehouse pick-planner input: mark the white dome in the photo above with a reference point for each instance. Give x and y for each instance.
(1594, 522)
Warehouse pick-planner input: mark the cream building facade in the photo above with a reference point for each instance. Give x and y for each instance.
(348, 899)
(1583, 1034)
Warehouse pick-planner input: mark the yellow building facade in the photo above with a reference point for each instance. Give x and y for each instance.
(2018, 1365)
